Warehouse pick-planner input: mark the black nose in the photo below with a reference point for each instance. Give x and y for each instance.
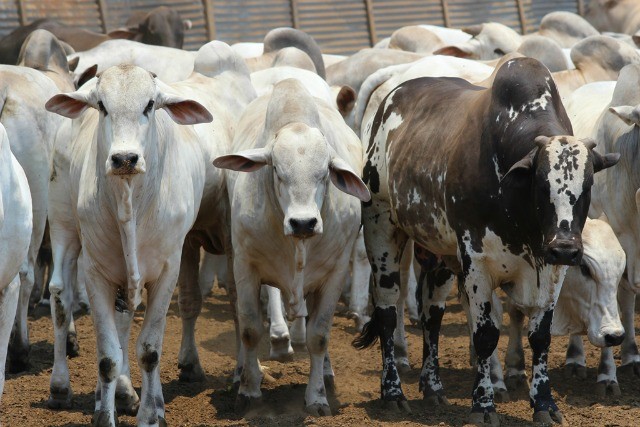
(126, 160)
(564, 252)
(303, 227)
(611, 340)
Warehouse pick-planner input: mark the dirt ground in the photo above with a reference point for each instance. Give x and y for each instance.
(357, 380)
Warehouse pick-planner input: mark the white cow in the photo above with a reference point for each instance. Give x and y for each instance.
(31, 130)
(15, 237)
(137, 181)
(291, 228)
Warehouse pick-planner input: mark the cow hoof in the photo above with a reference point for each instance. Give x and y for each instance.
(318, 410)
(629, 369)
(281, 349)
(330, 384)
(162, 422)
(127, 404)
(436, 400)
(484, 419)
(245, 403)
(605, 387)
(514, 382)
(73, 348)
(548, 418)
(575, 370)
(190, 373)
(397, 405)
(60, 398)
(402, 364)
(102, 419)
(501, 395)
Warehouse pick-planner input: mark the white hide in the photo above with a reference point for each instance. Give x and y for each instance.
(15, 238)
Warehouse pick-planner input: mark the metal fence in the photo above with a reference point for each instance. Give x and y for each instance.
(339, 26)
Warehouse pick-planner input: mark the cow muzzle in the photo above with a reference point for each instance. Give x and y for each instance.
(125, 163)
(302, 228)
(563, 252)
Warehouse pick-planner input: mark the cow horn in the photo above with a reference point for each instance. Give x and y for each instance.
(589, 143)
(541, 140)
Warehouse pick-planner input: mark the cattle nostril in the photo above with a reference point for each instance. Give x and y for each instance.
(611, 340)
(303, 226)
(127, 160)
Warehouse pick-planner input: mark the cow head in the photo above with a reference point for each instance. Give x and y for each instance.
(490, 41)
(302, 164)
(127, 98)
(558, 173)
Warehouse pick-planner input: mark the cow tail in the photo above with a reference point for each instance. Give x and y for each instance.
(370, 332)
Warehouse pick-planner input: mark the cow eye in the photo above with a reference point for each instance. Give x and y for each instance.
(101, 108)
(148, 108)
(499, 51)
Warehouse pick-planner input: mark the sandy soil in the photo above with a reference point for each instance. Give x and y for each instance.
(357, 380)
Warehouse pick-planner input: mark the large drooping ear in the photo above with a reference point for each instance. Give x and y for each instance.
(520, 173)
(73, 63)
(345, 100)
(473, 30)
(70, 104)
(184, 111)
(123, 33)
(245, 161)
(87, 75)
(628, 114)
(346, 179)
(459, 51)
(601, 162)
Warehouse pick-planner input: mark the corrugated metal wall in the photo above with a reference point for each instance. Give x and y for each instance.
(339, 26)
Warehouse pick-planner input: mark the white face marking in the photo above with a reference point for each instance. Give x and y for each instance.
(566, 177)
(541, 102)
(513, 114)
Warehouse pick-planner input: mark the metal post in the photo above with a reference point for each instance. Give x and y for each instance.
(581, 7)
(23, 17)
(209, 19)
(373, 37)
(523, 19)
(103, 15)
(445, 12)
(295, 18)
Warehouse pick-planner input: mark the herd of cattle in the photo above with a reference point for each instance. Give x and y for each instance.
(440, 156)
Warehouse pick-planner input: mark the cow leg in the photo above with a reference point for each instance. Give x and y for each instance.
(19, 341)
(607, 379)
(149, 344)
(385, 244)
(102, 297)
(127, 401)
(65, 250)
(544, 407)
(514, 359)
(190, 303)
(298, 332)
(8, 306)
(412, 288)
(360, 279)
(576, 362)
(628, 348)
(250, 324)
(400, 337)
(279, 338)
(80, 298)
(434, 285)
(485, 335)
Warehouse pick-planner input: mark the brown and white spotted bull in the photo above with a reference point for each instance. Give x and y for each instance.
(491, 180)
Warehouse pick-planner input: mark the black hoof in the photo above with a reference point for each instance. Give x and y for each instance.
(501, 395)
(73, 349)
(101, 419)
(60, 398)
(127, 404)
(548, 418)
(397, 405)
(629, 369)
(245, 403)
(514, 382)
(607, 387)
(436, 400)
(191, 373)
(575, 370)
(162, 422)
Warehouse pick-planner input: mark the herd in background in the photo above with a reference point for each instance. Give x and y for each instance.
(440, 156)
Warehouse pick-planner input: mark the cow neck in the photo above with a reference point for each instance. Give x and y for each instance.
(5, 172)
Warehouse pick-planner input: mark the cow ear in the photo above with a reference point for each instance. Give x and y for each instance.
(244, 161)
(346, 99)
(520, 173)
(627, 114)
(346, 179)
(87, 75)
(122, 33)
(69, 104)
(73, 63)
(601, 162)
(184, 111)
(458, 51)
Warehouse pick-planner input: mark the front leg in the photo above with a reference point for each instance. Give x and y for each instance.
(540, 399)
(385, 244)
(629, 349)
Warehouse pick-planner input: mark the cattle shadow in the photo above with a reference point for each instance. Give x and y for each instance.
(40, 359)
